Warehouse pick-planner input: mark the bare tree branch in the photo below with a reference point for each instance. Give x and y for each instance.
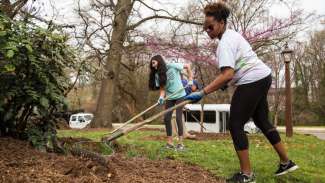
(131, 27)
(153, 9)
(18, 6)
(47, 21)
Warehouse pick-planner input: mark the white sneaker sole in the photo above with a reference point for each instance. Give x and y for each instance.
(287, 171)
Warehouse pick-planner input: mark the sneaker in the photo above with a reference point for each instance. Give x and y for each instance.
(180, 147)
(169, 146)
(241, 178)
(286, 168)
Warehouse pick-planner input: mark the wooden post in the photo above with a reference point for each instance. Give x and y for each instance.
(202, 116)
(286, 53)
(288, 109)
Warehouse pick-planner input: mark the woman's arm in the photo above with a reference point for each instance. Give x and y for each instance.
(194, 88)
(188, 69)
(226, 75)
(161, 96)
(162, 92)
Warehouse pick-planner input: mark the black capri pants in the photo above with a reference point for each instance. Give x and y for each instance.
(168, 117)
(250, 101)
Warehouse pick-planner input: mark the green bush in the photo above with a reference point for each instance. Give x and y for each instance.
(34, 63)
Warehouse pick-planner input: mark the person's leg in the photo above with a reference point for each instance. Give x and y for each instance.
(174, 126)
(179, 121)
(261, 120)
(186, 134)
(167, 121)
(280, 149)
(242, 108)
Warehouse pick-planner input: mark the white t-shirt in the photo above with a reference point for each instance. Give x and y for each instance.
(235, 52)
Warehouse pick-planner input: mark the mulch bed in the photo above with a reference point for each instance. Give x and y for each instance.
(19, 162)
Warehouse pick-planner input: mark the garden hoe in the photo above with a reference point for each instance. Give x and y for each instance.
(148, 109)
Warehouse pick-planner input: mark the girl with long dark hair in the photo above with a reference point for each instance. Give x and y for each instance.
(167, 79)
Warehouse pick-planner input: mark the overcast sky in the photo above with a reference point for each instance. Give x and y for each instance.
(66, 11)
(314, 5)
(66, 7)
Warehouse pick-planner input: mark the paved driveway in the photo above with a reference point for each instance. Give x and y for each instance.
(320, 135)
(319, 132)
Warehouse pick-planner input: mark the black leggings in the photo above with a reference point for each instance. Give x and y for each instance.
(168, 117)
(250, 101)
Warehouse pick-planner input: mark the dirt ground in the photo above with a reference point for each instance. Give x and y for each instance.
(210, 136)
(164, 171)
(21, 163)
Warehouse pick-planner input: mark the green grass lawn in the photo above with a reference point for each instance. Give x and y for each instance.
(218, 156)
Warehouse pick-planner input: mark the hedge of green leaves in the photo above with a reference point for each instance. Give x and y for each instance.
(34, 65)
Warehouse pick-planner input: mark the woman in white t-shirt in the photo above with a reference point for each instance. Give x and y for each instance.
(239, 65)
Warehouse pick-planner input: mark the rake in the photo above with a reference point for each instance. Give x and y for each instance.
(120, 132)
(145, 111)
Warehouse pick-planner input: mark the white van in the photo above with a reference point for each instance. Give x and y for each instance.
(80, 120)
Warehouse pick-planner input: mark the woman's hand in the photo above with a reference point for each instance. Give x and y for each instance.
(190, 83)
(161, 100)
(195, 96)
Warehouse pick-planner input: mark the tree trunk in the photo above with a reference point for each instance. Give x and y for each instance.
(105, 104)
(12, 9)
(6, 8)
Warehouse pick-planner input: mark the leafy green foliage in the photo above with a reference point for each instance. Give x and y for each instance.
(33, 66)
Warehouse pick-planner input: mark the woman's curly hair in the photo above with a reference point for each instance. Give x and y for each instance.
(220, 11)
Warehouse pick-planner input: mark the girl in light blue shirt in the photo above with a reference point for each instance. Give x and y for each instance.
(167, 79)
